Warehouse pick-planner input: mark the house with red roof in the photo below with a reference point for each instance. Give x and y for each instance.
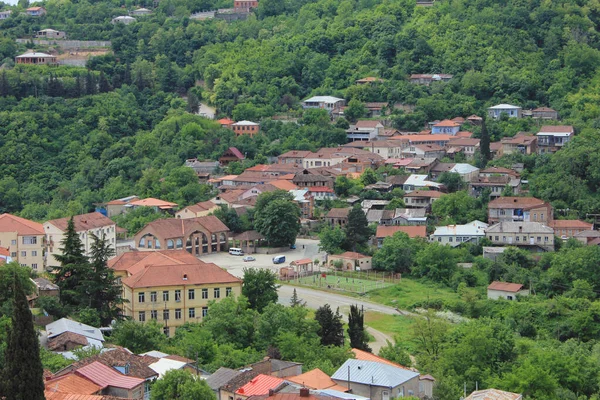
(568, 228)
(505, 290)
(552, 138)
(230, 155)
(446, 127)
(387, 231)
(226, 122)
(260, 385)
(22, 240)
(351, 261)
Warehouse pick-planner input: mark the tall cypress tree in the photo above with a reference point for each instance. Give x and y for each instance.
(485, 143)
(73, 267)
(331, 327)
(357, 229)
(100, 287)
(23, 371)
(356, 329)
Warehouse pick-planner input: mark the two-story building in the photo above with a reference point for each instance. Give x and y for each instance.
(337, 217)
(455, 235)
(421, 198)
(200, 209)
(568, 228)
(515, 209)
(427, 79)
(445, 127)
(24, 241)
(423, 151)
(552, 138)
(508, 109)
(534, 236)
(86, 226)
(544, 113)
(245, 5)
(497, 185)
(35, 11)
(468, 146)
(174, 293)
(245, 128)
(200, 235)
(323, 102)
(521, 143)
(364, 131)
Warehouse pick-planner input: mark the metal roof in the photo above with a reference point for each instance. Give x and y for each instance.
(473, 228)
(68, 325)
(165, 365)
(323, 99)
(373, 373)
(503, 107)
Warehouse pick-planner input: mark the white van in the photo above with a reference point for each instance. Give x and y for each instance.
(234, 251)
(278, 259)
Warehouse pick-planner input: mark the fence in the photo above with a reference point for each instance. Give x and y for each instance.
(348, 281)
(68, 44)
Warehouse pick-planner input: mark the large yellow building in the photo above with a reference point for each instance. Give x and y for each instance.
(171, 286)
(24, 240)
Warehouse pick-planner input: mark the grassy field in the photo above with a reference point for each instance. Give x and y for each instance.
(408, 292)
(350, 284)
(395, 326)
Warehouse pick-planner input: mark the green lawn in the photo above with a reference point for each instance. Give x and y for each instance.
(345, 283)
(408, 292)
(396, 326)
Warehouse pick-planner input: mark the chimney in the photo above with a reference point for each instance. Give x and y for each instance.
(271, 392)
(304, 392)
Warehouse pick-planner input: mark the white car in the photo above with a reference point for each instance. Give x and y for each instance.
(249, 258)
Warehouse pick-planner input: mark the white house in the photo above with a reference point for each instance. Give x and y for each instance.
(140, 12)
(505, 290)
(455, 235)
(466, 171)
(508, 109)
(5, 14)
(415, 181)
(364, 131)
(325, 102)
(124, 19)
(552, 138)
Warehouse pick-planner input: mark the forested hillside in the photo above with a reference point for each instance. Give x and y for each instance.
(76, 146)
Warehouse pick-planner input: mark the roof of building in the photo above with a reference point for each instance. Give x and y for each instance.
(431, 76)
(105, 376)
(499, 171)
(447, 123)
(164, 365)
(72, 384)
(368, 124)
(245, 123)
(411, 231)
(83, 222)
(261, 384)
(369, 79)
(588, 234)
(373, 373)
(366, 356)
(221, 377)
(316, 379)
(152, 202)
(124, 17)
(35, 8)
(197, 273)
(504, 107)
(462, 168)
(520, 227)
(516, 202)
(473, 228)
(136, 261)
(175, 227)
(425, 193)
(351, 255)
(519, 138)
(12, 223)
(303, 261)
(283, 184)
(201, 206)
(493, 394)
(50, 395)
(68, 325)
(557, 129)
(338, 213)
(295, 154)
(505, 286)
(58, 342)
(420, 181)
(570, 224)
(464, 141)
(541, 109)
(44, 284)
(323, 99)
(226, 121)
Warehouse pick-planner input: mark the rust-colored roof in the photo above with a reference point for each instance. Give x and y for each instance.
(50, 395)
(4, 252)
(447, 123)
(570, 224)
(226, 121)
(542, 109)
(12, 223)
(201, 206)
(198, 273)
(261, 384)
(248, 235)
(57, 343)
(493, 394)
(463, 134)
(152, 202)
(463, 141)
(316, 379)
(425, 193)
(499, 171)
(367, 124)
(83, 222)
(135, 261)
(72, 384)
(338, 213)
(175, 227)
(303, 261)
(295, 154)
(352, 255)
(116, 203)
(283, 184)
(411, 231)
(105, 376)
(516, 202)
(505, 286)
(369, 79)
(423, 138)
(557, 128)
(366, 356)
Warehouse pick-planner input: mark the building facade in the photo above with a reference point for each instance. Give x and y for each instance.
(24, 240)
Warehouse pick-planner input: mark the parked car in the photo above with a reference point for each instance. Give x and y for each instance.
(293, 246)
(249, 258)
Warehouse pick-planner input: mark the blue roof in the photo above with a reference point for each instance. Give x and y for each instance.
(373, 373)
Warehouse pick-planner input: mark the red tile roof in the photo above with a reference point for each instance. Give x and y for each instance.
(202, 206)
(50, 395)
(12, 223)
(72, 384)
(316, 379)
(516, 202)
(411, 231)
(152, 202)
(175, 227)
(237, 153)
(105, 376)
(448, 123)
(197, 273)
(505, 286)
(557, 128)
(352, 255)
(366, 356)
(259, 385)
(83, 222)
(338, 213)
(135, 261)
(283, 184)
(425, 193)
(226, 121)
(320, 189)
(570, 224)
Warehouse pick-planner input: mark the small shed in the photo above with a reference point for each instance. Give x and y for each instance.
(505, 290)
(303, 266)
(351, 261)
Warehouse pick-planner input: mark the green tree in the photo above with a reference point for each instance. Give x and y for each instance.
(181, 385)
(139, 337)
(231, 321)
(357, 229)
(331, 240)
(277, 217)
(260, 287)
(368, 177)
(429, 333)
(359, 339)
(436, 262)
(397, 254)
(230, 218)
(195, 342)
(484, 144)
(456, 208)
(23, 372)
(355, 110)
(331, 326)
(73, 269)
(452, 181)
(395, 352)
(296, 301)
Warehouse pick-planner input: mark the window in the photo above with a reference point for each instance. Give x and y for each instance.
(504, 238)
(497, 238)
(34, 266)
(539, 239)
(166, 330)
(439, 239)
(13, 241)
(541, 216)
(178, 313)
(153, 297)
(227, 292)
(142, 316)
(204, 311)
(524, 238)
(142, 242)
(141, 297)
(179, 243)
(217, 293)
(191, 294)
(29, 240)
(156, 244)
(34, 253)
(178, 295)
(192, 313)
(153, 314)
(166, 315)
(149, 243)
(205, 293)
(517, 238)
(545, 238)
(165, 295)
(23, 254)
(450, 239)
(169, 244)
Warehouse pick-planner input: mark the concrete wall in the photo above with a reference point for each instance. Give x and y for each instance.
(500, 294)
(68, 44)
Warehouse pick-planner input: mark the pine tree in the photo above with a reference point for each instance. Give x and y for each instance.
(103, 294)
(23, 372)
(485, 143)
(356, 329)
(357, 230)
(295, 301)
(73, 267)
(331, 327)
(103, 84)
